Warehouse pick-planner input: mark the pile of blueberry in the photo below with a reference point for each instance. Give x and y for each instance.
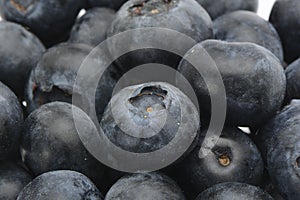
(45, 43)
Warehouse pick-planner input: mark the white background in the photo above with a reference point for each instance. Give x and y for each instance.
(264, 8)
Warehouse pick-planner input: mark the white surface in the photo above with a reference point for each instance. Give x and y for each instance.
(264, 8)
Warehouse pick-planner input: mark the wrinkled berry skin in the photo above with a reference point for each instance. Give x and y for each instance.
(245, 26)
(20, 50)
(11, 121)
(292, 73)
(92, 27)
(54, 77)
(216, 8)
(285, 18)
(137, 112)
(183, 16)
(50, 141)
(145, 186)
(280, 143)
(63, 185)
(113, 4)
(13, 178)
(231, 190)
(50, 20)
(253, 77)
(234, 158)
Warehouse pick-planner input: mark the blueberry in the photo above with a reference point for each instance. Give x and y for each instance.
(114, 4)
(50, 141)
(285, 18)
(13, 178)
(245, 26)
(54, 76)
(237, 191)
(145, 186)
(253, 77)
(292, 73)
(234, 158)
(216, 8)
(280, 142)
(91, 28)
(145, 118)
(50, 20)
(184, 16)
(19, 52)
(11, 120)
(62, 185)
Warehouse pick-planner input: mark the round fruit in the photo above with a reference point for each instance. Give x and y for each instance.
(62, 185)
(184, 16)
(51, 142)
(245, 26)
(145, 186)
(280, 140)
(20, 51)
(253, 77)
(237, 191)
(234, 158)
(50, 20)
(216, 8)
(285, 18)
(11, 121)
(13, 178)
(91, 28)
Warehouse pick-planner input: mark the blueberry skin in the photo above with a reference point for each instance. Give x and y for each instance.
(145, 186)
(92, 27)
(11, 121)
(253, 77)
(216, 8)
(54, 76)
(235, 158)
(113, 4)
(246, 26)
(50, 20)
(235, 191)
(20, 50)
(63, 185)
(285, 18)
(280, 142)
(292, 73)
(184, 16)
(142, 110)
(13, 178)
(50, 141)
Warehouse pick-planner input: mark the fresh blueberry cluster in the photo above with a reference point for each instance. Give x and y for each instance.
(69, 134)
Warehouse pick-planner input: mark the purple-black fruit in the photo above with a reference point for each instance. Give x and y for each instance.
(216, 8)
(184, 16)
(11, 121)
(285, 18)
(145, 118)
(20, 51)
(51, 141)
(253, 77)
(50, 20)
(13, 178)
(292, 73)
(280, 144)
(237, 191)
(145, 186)
(234, 158)
(54, 77)
(92, 27)
(245, 26)
(62, 185)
